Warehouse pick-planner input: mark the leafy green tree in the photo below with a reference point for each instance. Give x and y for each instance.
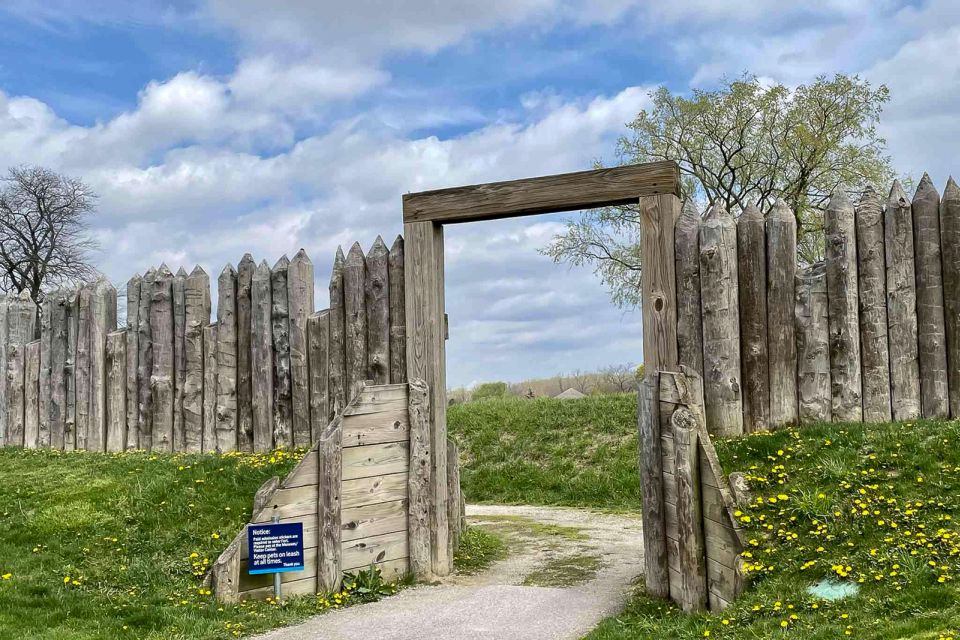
(744, 142)
(489, 390)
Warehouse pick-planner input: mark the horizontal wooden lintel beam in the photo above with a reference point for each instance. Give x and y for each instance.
(546, 194)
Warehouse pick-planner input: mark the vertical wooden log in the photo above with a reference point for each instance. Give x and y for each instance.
(31, 394)
(453, 493)
(781, 228)
(656, 570)
(162, 374)
(950, 243)
(70, 371)
(721, 322)
(300, 296)
(398, 313)
(57, 409)
(338, 357)
(22, 318)
(419, 480)
(658, 217)
(82, 367)
(901, 306)
(210, 388)
(687, 257)
(752, 288)
(179, 363)
(261, 357)
(116, 403)
(931, 333)
(145, 363)
(354, 277)
(245, 270)
(103, 309)
(3, 370)
(377, 295)
(15, 400)
(43, 371)
(133, 353)
(692, 546)
(813, 345)
(318, 352)
(442, 560)
(841, 258)
(329, 473)
(875, 355)
(196, 297)
(282, 391)
(226, 427)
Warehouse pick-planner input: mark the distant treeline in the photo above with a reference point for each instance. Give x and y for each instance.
(619, 378)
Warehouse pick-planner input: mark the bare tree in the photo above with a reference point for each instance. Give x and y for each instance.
(581, 381)
(44, 241)
(620, 377)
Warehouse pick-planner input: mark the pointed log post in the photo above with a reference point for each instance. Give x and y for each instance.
(209, 444)
(813, 345)
(179, 363)
(300, 295)
(145, 363)
(103, 308)
(83, 367)
(133, 353)
(721, 323)
(687, 256)
(752, 287)
(3, 370)
(377, 295)
(116, 402)
(282, 391)
(931, 333)
(338, 358)
(874, 351)
(43, 375)
(69, 373)
(226, 427)
(196, 300)
(318, 353)
(658, 217)
(950, 243)
(245, 269)
(57, 408)
(261, 357)
(398, 314)
(354, 277)
(15, 400)
(901, 306)
(781, 227)
(162, 375)
(656, 568)
(31, 394)
(419, 480)
(841, 258)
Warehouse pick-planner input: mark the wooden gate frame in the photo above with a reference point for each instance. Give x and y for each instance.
(654, 186)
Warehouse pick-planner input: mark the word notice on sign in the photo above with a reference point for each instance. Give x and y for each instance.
(275, 547)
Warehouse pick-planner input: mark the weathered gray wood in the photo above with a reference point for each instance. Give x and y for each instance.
(162, 374)
(226, 428)
(300, 295)
(546, 194)
(931, 333)
(318, 354)
(901, 306)
(103, 308)
(692, 565)
(245, 269)
(813, 345)
(841, 259)
(116, 403)
(225, 574)
(21, 318)
(651, 487)
(82, 367)
(355, 313)
(209, 438)
(658, 216)
(196, 295)
(453, 493)
(57, 408)
(781, 228)
(15, 400)
(145, 363)
(179, 363)
(377, 294)
(282, 390)
(133, 353)
(687, 256)
(419, 480)
(3, 370)
(752, 289)
(950, 247)
(721, 322)
(43, 373)
(329, 467)
(31, 394)
(874, 352)
(338, 358)
(69, 373)
(398, 313)
(261, 358)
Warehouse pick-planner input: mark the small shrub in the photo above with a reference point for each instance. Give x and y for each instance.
(489, 390)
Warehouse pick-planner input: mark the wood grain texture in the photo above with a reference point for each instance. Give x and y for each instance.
(813, 345)
(116, 403)
(245, 269)
(133, 353)
(781, 229)
(950, 254)
(179, 364)
(842, 298)
(355, 314)
(901, 306)
(398, 313)
(282, 390)
(687, 257)
(752, 291)
(31, 394)
(375, 460)
(300, 293)
(261, 358)
(359, 554)
(419, 482)
(658, 216)
(3, 369)
(226, 420)
(651, 487)
(318, 360)
(374, 519)
(15, 394)
(145, 363)
(103, 309)
(43, 384)
(57, 408)
(162, 375)
(377, 295)
(209, 438)
(82, 368)
(197, 316)
(338, 357)
(875, 354)
(931, 332)
(546, 194)
(69, 374)
(692, 565)
(330, 463)
(454, 517)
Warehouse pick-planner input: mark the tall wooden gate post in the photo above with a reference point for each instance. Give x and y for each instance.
(658, 217)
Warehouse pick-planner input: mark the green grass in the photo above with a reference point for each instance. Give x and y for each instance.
(580, 453)
(566, 571)
(479, 548)
(100, 546)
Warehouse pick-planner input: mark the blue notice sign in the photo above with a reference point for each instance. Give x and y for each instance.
(275, 547)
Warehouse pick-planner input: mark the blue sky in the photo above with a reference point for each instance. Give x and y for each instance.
(215, 127)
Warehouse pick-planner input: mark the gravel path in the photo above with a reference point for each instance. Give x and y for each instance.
(496, 604)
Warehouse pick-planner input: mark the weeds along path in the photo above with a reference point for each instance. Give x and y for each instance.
(566, 570)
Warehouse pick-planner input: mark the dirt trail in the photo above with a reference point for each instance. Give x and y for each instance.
(567, 570)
